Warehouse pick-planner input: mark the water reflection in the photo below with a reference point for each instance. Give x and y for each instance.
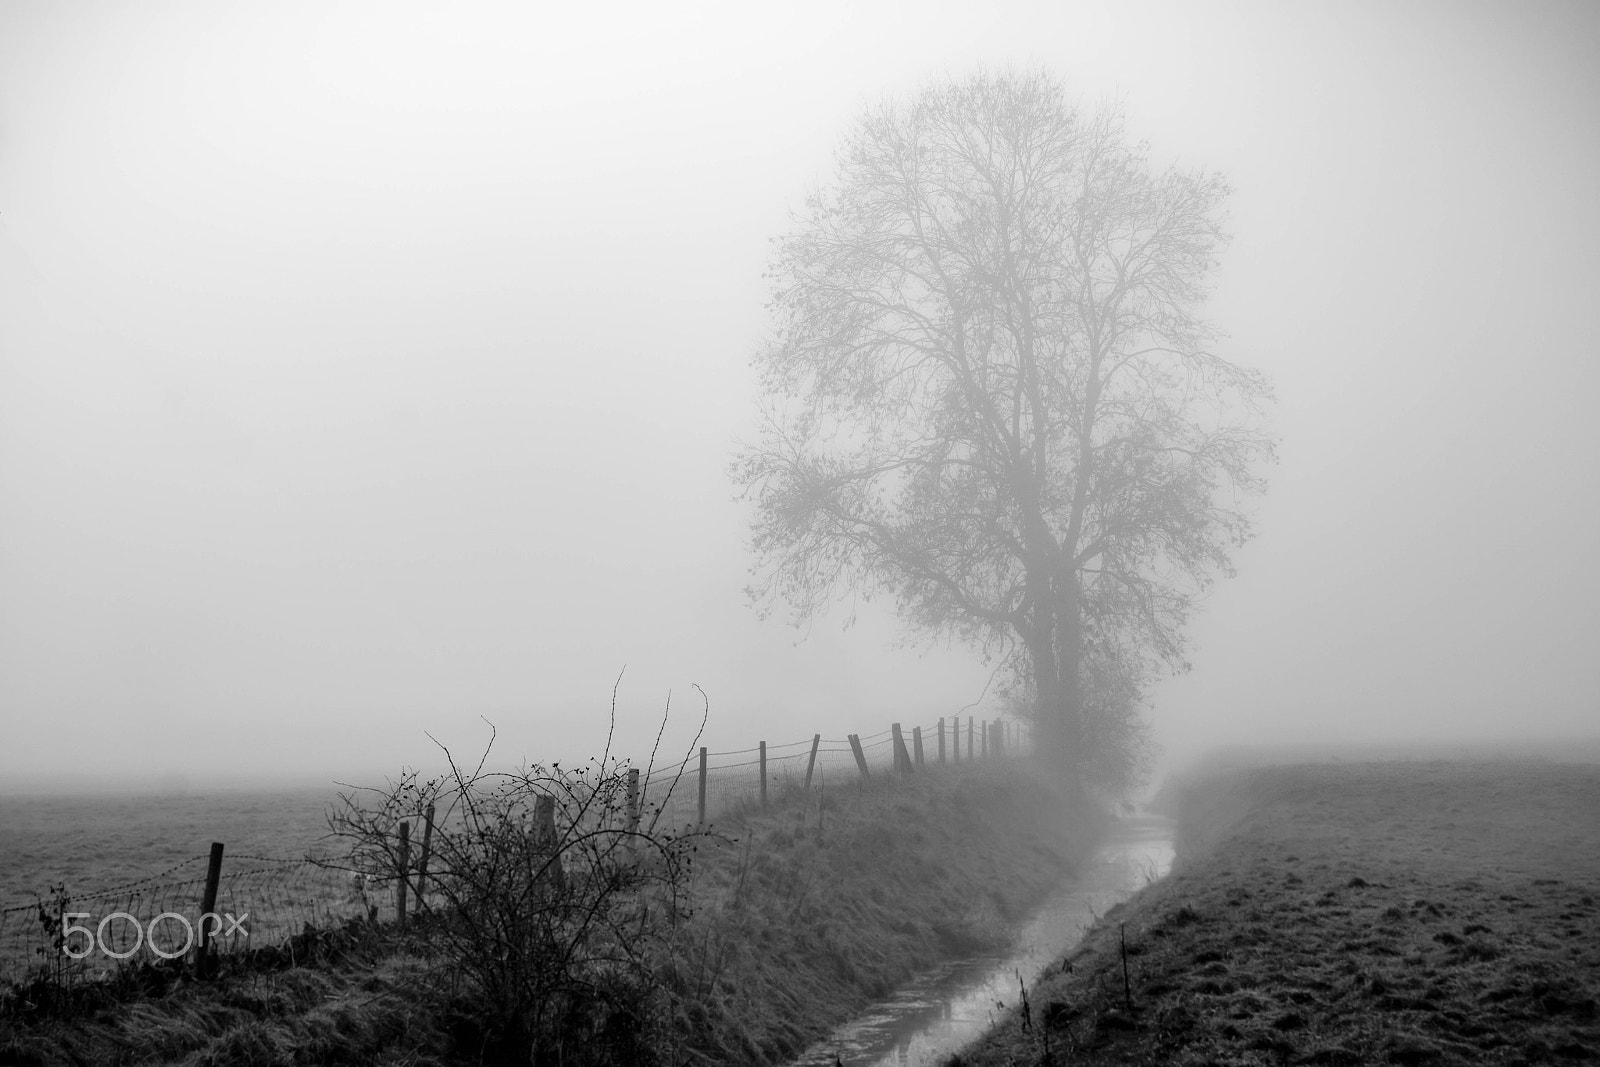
(944, 1009)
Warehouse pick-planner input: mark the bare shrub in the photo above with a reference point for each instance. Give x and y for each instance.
(546, 900)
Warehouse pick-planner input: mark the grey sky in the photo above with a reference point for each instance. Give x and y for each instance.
(367, 368)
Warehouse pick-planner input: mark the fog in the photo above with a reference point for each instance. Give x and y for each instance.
(374, 369)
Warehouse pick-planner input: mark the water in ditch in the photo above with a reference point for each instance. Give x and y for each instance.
(944, 1009)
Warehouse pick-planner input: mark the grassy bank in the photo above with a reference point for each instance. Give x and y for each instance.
(798, 928)
(800, 916)
(1412, 913)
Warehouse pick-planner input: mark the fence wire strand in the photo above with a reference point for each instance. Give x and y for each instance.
(264, 900)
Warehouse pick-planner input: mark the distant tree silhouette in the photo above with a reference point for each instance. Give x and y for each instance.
(990, 395)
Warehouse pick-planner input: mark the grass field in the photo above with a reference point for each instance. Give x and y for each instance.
(1411, 913)
(145, 854)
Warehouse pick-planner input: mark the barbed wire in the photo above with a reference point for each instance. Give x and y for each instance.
(282, 894)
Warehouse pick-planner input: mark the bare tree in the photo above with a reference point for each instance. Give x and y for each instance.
(990, 394)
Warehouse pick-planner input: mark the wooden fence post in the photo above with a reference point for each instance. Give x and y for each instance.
(861, 757)
(405, 872)
(822, 804)
(971, 752)
(985, 733)
(702, 785)
(544, 827)
(633, 801)
(941, 739)
(427, 852)
(208, 907)
(916, 744)
(897, 746)
(763, 776)
(811, 765)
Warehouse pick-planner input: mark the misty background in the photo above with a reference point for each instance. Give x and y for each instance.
(367, 369)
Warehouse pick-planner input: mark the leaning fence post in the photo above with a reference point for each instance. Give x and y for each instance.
(208, 907)
(631, 845)
(861, 757)
(816, 739)
(633, 800)
(916, 743)
(544, 827)
(763, 776)
(897, 746)
(822, 804)
(941, 739)
(702, 785)
(427, 851)
(405, 864)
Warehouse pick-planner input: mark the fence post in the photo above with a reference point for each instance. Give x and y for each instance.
(427, 851)
(633, 800)
(916, 744)
(985, 732)
(822, 804)
(702, 785)
(941, 739)
(898, 747)
(972, 753)
(208, 906)
(811, 765)
(763, 776)
(405, 871)
(861, 757)
(544, 826)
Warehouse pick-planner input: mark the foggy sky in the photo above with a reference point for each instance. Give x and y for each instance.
(366, 369)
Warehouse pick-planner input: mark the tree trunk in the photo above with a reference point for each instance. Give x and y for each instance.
(1054, 640)
(1069, 660)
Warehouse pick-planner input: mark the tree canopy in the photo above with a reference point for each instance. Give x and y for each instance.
(989, 394)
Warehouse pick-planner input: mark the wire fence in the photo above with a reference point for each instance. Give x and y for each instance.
(261, 901)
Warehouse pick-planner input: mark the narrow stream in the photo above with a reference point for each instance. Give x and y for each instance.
(942, 1010)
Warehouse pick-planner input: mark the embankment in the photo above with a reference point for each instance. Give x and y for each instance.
(798, 927)
(800, 915)
(1413, 913)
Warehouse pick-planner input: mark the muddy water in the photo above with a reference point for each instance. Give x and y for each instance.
(944, 1009)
